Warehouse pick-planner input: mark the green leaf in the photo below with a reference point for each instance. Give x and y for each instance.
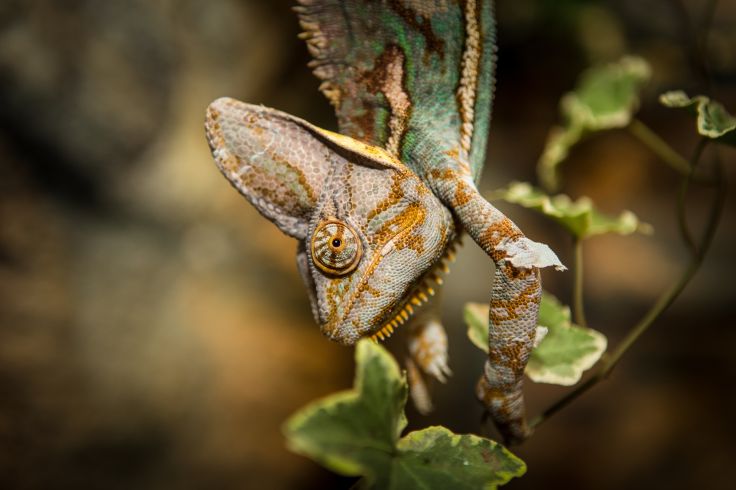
(562, 356)
(356, 433)
(713, 120)
(436, 458)
(567, 351)
(605, 97)
(579, 217)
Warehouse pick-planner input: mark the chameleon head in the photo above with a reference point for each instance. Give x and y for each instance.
(369, 228)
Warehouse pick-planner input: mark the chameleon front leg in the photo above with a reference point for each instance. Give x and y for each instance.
(428, 353)
(514, 304)
(428, 347)
(428, 358)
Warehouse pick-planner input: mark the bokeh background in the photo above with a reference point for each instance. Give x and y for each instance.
(154, 331)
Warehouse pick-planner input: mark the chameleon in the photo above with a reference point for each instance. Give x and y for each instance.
(378, 208)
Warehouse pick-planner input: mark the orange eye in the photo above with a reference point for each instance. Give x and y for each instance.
(336, 247)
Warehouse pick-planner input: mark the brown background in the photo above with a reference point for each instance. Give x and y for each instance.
(154, 332)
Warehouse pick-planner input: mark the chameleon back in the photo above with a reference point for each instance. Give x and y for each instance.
(413, 77)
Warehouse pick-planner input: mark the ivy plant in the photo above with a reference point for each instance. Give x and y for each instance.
(358, 433)
(712, 119)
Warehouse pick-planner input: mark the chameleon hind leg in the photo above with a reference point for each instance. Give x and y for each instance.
(512, 335)
(514, 303)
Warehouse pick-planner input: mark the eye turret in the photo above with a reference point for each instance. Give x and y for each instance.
(336, 247)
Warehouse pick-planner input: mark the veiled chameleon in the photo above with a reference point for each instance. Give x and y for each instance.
(378, 208)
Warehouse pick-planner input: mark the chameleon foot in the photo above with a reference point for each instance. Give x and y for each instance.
(428, 349)
(428, 358)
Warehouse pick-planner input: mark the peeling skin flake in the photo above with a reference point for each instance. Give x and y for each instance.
(539, 335)
(525, 253)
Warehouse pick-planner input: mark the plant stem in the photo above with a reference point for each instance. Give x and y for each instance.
(719, 203)
(578, 303)
(685, 232)
(613, 359)
(659, 147)
(665, 300)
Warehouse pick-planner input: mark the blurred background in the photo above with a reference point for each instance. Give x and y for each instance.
(154, 331)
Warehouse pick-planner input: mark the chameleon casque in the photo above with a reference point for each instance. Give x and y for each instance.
(378, 208)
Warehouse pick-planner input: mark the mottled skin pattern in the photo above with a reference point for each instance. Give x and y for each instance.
(378, 208)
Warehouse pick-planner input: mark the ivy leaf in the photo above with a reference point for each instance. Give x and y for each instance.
(565, 352)
(436, 458)
(579, 217)
(356, 433)
(605, 97)
(713, 120)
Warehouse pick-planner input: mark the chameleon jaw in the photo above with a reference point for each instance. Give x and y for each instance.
(419, 295)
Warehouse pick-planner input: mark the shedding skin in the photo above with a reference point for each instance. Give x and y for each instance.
(378, 208)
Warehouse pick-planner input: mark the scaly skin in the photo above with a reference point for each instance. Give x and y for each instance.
(378, 208)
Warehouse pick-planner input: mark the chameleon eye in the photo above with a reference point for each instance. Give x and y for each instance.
(336, 247)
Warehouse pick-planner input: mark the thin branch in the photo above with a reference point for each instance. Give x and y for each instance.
(685, 232)
(665, 300)
(613, 359)
(577, 286)
(659, 147)
(716, 210)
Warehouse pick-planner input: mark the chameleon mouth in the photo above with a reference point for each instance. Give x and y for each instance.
(419, 295)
